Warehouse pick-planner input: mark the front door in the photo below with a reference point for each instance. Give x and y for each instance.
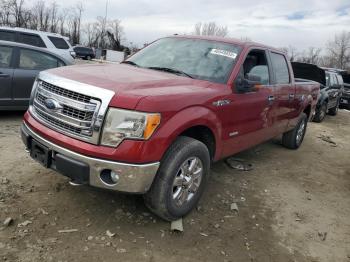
(6, 74)
(248, 118)
(333, 91)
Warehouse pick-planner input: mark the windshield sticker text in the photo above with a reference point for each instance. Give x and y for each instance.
(225, 53)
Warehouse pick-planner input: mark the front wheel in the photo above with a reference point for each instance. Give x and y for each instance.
(180, 180)
(293, 138)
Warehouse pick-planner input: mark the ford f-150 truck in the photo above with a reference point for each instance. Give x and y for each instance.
(153, 124)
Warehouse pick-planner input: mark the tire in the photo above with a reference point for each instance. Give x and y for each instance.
(164, 197)
(88, 58)
(320, 113)
(334, 111)
(293, 138)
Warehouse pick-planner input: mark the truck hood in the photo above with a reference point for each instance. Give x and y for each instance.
(130, 83)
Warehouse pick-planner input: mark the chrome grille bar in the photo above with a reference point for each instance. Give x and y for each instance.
(72, 108)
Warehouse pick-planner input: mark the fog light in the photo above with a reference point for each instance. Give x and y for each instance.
(109, 177)
(114, 177)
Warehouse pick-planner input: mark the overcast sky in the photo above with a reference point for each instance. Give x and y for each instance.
(300, 23)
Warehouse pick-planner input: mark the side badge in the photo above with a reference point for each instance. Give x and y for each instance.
(222, 102)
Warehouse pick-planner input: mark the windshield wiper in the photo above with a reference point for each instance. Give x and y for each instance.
(170, 70)
(130, 63)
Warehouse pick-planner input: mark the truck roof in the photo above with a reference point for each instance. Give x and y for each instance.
(230, 41)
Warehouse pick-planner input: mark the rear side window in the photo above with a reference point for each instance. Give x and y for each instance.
(31, 39)
(280, 67)
(7, 35)
(5, 56)
(59, 42)
(35, 60)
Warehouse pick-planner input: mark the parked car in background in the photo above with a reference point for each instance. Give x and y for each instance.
(55, 43)
(345, 99)
(86, 53)
(19, 66)
(153, 124)
(331, 87)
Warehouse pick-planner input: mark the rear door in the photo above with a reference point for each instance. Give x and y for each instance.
(29, 64)
(6, 74)
(284, 92)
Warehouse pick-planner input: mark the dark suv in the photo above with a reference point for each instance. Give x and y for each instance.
(84, 52)
(332, 86)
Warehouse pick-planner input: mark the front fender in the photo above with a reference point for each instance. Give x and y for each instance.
(190, 117)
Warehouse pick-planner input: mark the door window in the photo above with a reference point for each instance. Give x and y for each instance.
(5, 56)
(59, 42)
(280, 68)
(35, 60)
(255, 65)
(31, 39)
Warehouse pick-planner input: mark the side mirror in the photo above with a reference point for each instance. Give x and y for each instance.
(248, 84)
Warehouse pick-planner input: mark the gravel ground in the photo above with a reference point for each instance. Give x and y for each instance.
(293, 206)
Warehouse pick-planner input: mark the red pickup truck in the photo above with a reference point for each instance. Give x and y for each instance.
(153, 124)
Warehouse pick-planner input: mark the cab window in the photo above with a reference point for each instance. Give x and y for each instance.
(35, 60)
(5, 56)
(256, 66)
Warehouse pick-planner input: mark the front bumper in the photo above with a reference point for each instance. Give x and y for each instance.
(133, 178)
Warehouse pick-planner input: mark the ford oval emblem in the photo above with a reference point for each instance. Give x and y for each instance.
(51, 104)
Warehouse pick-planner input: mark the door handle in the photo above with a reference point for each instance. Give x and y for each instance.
(4, 75)
(291, 96)
(271, 99)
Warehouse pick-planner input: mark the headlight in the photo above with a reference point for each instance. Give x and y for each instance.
(124, 124)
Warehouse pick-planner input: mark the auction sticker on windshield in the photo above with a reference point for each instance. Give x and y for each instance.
(225, 53)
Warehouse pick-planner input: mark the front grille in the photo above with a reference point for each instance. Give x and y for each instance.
(72, 112)
(76, 113)
(58, 123)
(65, 92)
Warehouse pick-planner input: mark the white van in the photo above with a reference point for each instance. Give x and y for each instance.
(55, 43)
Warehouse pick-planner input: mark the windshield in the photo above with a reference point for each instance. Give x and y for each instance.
(200, 59)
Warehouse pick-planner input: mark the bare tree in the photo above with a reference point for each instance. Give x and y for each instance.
(311, 56)
(291, 51)
(74, 23)
(339, 51)
(210, 29)
(54, 17)
(115, 33)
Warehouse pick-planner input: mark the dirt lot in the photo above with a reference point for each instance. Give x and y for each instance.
(294, 206)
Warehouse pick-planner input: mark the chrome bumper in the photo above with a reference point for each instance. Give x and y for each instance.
(133, 178)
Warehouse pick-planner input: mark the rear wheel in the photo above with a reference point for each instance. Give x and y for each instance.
(88, 58)
(334, 111)
(180, 180)
(293, 138)
(320, 113)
